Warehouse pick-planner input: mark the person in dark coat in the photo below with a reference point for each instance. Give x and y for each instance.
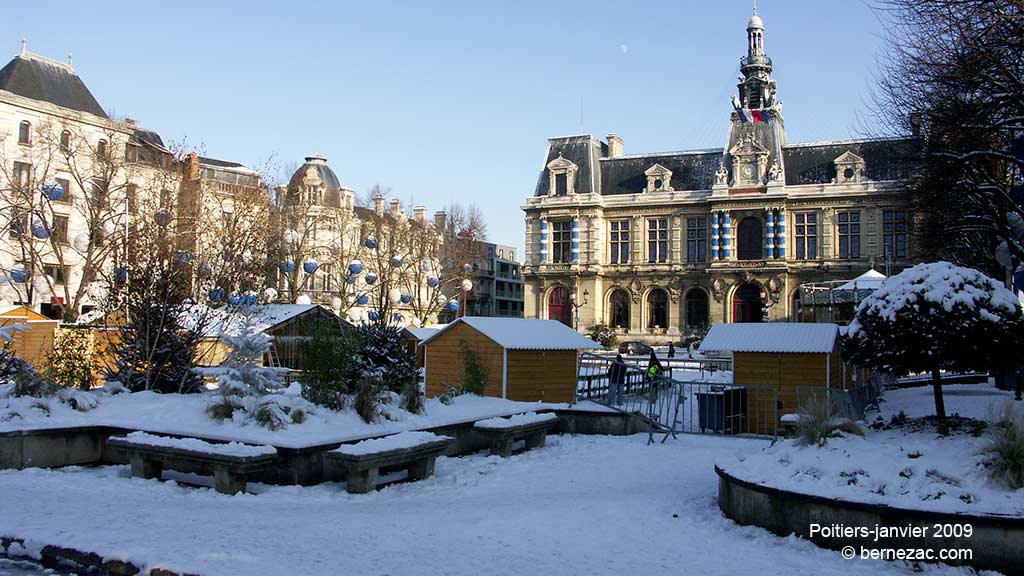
(616, 378)
(671, 350)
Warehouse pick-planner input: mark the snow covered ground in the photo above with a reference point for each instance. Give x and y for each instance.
(900, 466)
(582, 505)
(185, 414)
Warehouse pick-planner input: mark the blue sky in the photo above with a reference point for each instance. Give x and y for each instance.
(452, 100)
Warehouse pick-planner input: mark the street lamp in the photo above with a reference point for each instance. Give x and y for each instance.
(577, 305)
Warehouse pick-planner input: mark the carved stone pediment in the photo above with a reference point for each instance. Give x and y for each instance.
(562, 168)
(849, 168)
(749, 161)
(659, 179)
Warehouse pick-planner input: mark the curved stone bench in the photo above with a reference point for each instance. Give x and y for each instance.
(502, 433)
(995, 542)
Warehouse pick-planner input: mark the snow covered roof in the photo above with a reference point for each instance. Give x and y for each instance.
(219, 321)
(524, 333)
(771, 337)
(869, 280)
(422, 334)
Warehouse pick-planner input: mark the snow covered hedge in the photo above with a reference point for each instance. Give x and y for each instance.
(935, 317)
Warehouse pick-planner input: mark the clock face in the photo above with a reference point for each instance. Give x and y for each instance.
(748, 171)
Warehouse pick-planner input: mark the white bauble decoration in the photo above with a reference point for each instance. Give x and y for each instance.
(467, 285)
(97, 291)
(270, 294)
(394, 295)
(304, 299)
(441, 299)
(81, 242)
(109, 228)
(291, 236)
(247, 256)
(336, 303)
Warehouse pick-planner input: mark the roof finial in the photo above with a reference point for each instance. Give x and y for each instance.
(24, 46)
(69, 59)
(755, 7)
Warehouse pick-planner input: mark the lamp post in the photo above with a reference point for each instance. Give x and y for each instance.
(577, 305)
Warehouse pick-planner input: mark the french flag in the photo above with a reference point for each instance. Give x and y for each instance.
(749, 115)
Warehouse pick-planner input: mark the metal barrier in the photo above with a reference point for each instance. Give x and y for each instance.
(671, 406)
(851, 403)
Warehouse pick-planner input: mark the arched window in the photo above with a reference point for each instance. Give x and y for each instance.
(749, 240)
(657, 309)
(618, 305)
(65, 141)
(696, 308)
(559, 306)
(101, 148)
(24, 132)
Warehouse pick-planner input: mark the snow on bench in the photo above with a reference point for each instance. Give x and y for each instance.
(236, 449)
(500, 423)
(150, 454)
(501, 433)
(413, 451)
(388, 443)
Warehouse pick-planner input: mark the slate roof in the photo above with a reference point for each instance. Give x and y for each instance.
(782, 337)
(524, 333)
(42, 79)
(219, 163)
(810, 163)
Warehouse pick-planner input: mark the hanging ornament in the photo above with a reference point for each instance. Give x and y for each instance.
(304, 300)
(53, 190)
(215, 294)
(370, 278)
(373, 315)
(336, 303)
(81, 242)
(121, 274)
(251, 298)
(96, 291)
(310, 266)
(18, 273)
(287, 266)
(247, 256)
(467, 285)
(442, 300)
(355, 267)
(406, 298)
(109, 228)
(235, 299)
(163, 217)
(397, 318)
(433, 282)
(453, 305)
(182, 258)
(291, 236)
(363, 300)
(396, 261)
(467, 268)
(394, 296)
(370, 242)
(351, 279)
(40, 230)
(270, 294)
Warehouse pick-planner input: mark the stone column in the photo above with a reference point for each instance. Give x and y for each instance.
(714, 236)
(543, 241)
(727, 253)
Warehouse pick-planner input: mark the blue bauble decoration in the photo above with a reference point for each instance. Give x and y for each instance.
(215, 294)
(122, 274)
(396, 317)
(406, 298)
(40, 230)
(250, 299)
(396, 262)
(53, 191)
(370, 278)
(182, 258)
(234, 299)
(18, 273)
(351, 279)
(355, 267)
(453, 306)
(370, 242)
(433, 282)
(287, 266)
(310, 266)
(363, 300)
(373, 315)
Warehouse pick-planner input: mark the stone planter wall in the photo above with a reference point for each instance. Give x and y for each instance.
(997, 543)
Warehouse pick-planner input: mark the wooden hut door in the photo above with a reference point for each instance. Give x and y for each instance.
(559, 307)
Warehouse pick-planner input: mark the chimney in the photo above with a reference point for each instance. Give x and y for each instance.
(440, 220)
(420, 213)
(131, 122)
(378, 204)
(615, 146)
(396, 207)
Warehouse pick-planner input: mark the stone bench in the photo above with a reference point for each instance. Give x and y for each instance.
(502, 433)
(413, 451)
(231, 463)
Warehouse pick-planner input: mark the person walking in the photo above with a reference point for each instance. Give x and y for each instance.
(616, 378)
(671, 350)
(654, 367)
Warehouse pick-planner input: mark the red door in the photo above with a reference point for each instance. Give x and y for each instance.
(747, 305)
(559, 307)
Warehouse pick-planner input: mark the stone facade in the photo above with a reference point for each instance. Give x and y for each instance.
(661, 245)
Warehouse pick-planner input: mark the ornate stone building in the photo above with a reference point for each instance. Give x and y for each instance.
(660, 245)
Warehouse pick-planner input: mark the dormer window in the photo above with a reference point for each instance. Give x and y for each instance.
(659, 179)
(24, 132)
(849, 168)
(562, 174)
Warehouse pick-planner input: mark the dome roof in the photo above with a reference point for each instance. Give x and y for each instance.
(318, 164)
(755, 22)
